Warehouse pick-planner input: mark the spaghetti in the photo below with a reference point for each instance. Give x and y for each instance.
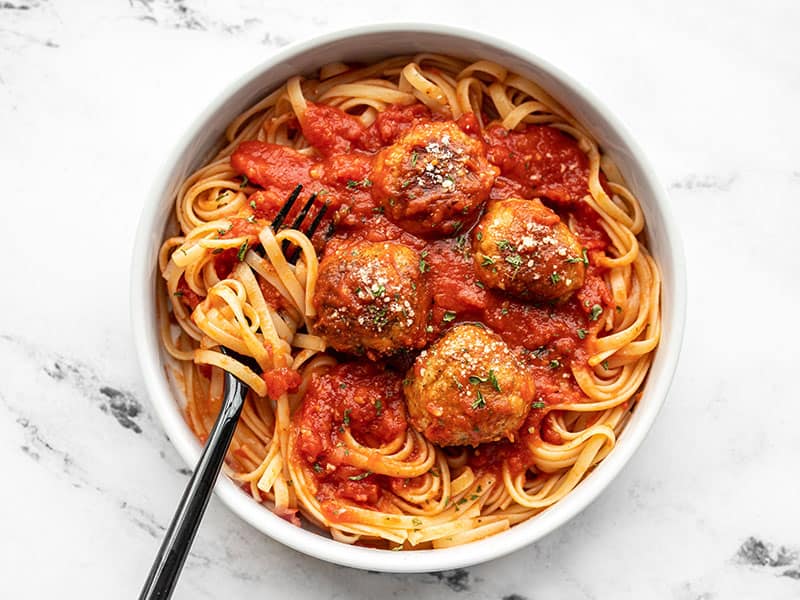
(329, 429)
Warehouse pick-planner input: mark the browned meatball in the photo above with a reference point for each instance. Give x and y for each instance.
(434, 180)
(522, 247)
(371, 298)
(468, 388)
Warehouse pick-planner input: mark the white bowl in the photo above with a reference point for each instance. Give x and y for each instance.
(364, 44)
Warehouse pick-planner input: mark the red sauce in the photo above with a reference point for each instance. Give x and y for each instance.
(281, 381)
(226, 260)
(186, 295)
(330, 130)
(538, 161)
(272, 166)
(271, 295)
(362, 398)
(454, 284)
(542, 159)
(394, 122)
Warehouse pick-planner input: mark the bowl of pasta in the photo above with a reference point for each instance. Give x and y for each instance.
(476, 338)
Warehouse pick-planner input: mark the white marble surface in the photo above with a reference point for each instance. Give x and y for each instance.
(92, 94)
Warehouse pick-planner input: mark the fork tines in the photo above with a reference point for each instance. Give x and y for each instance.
(279, 219)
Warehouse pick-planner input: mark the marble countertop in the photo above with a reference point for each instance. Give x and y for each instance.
(93, 95)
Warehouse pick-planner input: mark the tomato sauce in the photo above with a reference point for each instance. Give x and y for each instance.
(330, 130)
(536, 161)
(281, 381)
(272, 166)
(543, 159)
(186, 295)
(363, 398)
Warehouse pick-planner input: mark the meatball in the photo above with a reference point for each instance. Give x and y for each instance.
(468, 388)
(434, 180)
(523, 248)
(371, 298)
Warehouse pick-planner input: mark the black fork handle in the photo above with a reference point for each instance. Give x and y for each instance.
(169, 562)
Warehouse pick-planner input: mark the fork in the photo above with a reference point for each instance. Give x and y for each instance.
(169, 561)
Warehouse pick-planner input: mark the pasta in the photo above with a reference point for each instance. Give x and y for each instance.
(584, 337)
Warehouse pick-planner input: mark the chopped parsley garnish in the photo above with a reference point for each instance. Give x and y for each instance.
(554, 278)
(245, 181)
(361, 476)
(493, 380)
(538, 404)
(342, 386)
(251, 219)
(480, 284)
(378, 210)
(221, 196)
(252, 204)
(449, 315)
(596, 310)
(179, 294)
(416, 522)
(605, 364)
(406, 183)
(378, 290)
(414, 156)
(458, 383)
(554, 364)
(583, 258)
(424, 267)
(379, 317)
(515, 260)
(486, 261)
(407, 381)
(504, 311)
(242, 251)
(505, 245)
(217, 251)
(346, 419)
(317, 467)
(479, 236)
(582, 333)
(456, 226)
(378, 407)
(364, 183)
(222, 232)
(476, 380)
